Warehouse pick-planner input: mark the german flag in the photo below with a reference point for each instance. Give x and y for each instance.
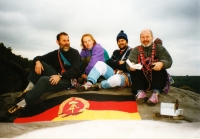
(82, 107)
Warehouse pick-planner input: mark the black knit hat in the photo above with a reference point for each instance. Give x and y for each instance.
(122, 35)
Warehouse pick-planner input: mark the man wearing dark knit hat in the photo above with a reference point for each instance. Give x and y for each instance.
(122, 35)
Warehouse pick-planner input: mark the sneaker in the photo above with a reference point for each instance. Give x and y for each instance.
(141, 97)
(21, 96)
(95, 87)
(83, 87)
(153, 100)
(14, 110)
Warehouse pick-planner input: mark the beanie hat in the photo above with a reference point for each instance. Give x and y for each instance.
(122, 35)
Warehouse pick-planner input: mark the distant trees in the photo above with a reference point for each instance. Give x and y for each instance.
(191, 83)
(13, 70)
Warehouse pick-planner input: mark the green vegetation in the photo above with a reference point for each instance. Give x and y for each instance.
(191, 83)
(13, 70)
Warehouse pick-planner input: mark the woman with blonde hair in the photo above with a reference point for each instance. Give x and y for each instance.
(91, 53)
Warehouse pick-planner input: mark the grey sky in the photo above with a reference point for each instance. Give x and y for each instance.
(30, 26)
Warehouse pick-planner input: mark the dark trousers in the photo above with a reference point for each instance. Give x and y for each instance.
(42, 83)
(140, 82)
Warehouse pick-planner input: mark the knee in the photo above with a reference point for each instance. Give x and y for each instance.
(44, 79)
(99, 64)
(43, 63)
(114, 80)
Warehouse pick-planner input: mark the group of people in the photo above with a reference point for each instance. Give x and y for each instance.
(64, 67)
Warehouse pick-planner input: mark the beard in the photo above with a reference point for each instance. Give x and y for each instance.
(65, 48)
(147, 44)
(124, 47)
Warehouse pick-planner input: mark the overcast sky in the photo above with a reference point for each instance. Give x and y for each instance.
(30, 27)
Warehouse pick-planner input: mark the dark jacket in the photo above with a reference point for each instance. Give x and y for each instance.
(72, 55)
(113, 62)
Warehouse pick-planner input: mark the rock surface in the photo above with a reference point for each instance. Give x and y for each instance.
(188, 101)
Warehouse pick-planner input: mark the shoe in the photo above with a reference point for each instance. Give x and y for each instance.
(88, 87)
(21, 96)
(153, 100)
(95, 87)
(141, 97)
(14, 110)
(83, 87)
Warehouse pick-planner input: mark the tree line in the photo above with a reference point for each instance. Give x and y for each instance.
(14, 70)
(191, 83)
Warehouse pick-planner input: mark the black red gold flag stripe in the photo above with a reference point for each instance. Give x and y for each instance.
(82, 107)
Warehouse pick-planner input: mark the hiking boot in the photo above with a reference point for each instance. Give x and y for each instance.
(14, 110)
(21, 96)
(141, 97)
(153, 100)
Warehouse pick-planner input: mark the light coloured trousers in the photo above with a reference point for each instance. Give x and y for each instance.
(112, 79)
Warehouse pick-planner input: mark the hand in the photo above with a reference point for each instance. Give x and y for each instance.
(132, 69)
(157, 66)
(38, 67)
(121, 62)
(55, 79)
(84, 76)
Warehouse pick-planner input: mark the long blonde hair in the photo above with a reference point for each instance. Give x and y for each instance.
(88, 35)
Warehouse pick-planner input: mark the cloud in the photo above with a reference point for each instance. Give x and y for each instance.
(30, 27)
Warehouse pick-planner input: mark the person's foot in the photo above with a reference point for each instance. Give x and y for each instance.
(153, 100)
(83, 87)
(141, 97)
(21, 96)
(14, 110)
(95, 87)
(87, 87)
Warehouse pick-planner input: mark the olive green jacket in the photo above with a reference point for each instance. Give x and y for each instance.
(161, 54)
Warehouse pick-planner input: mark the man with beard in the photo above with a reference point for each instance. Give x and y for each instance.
(155, 59)
(52, 72)
(114, 72)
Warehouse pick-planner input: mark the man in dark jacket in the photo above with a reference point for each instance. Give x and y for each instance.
(52, 72)
(155, 59)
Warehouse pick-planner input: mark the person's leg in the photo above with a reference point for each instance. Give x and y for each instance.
(43, 85)
(34, 77)
(139, 81)
(29, 86)
(139, 85)
(159, 79)
(113, 81)
(99, 69)
(48, 70)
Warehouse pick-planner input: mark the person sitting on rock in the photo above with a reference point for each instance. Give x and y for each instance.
(155, 59)
(114, 72)
(53, 72)
(91, 53)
